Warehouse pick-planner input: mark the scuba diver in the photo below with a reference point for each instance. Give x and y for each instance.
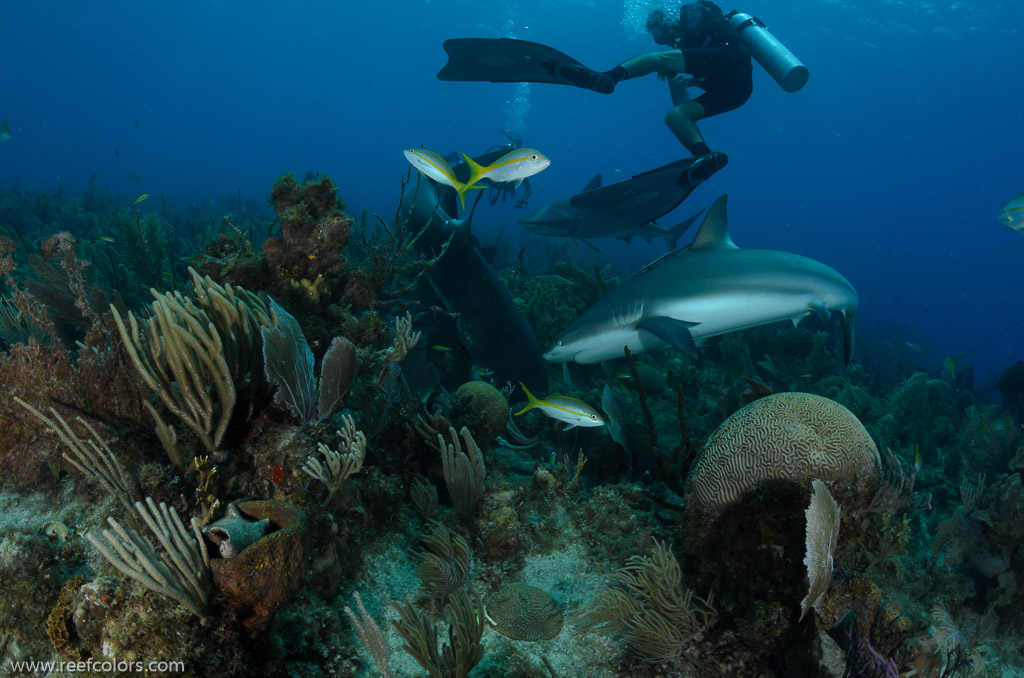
(716, 58)
(713, 47)
(502, 190)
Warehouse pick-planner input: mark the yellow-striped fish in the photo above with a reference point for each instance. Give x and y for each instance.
(141, 198)
(514, 166)
(433, 165)
(572, 411)
(1012, 216)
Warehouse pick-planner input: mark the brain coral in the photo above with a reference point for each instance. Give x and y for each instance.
(524, 612)
(785, 436)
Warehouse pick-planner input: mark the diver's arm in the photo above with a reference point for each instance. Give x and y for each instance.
(524, 200)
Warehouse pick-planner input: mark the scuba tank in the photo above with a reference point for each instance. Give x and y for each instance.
(773, 56)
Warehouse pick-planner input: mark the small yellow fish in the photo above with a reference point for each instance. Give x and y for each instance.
(443, 349)
(917, 457)
(141, 198)
(434, 166)
(107, 238)
(950, 364)
(514, 166)
(1012, 216)
(572, 411)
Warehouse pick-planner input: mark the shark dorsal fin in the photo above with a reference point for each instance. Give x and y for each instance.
(595, 182)
(714, 230)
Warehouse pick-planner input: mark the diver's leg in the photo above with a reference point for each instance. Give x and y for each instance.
(669, 61)
(682, 120)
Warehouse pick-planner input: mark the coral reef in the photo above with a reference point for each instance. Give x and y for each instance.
(277, 410)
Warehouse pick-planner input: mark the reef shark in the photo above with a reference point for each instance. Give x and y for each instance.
(488, 323)
(710, 288)
(622, 210)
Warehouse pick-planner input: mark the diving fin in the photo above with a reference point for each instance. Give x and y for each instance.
(511, 60)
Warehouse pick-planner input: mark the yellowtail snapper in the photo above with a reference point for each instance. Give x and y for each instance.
(514, 166)
(1012, 216)
(572, 411)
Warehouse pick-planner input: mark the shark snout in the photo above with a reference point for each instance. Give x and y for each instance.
(557, 353)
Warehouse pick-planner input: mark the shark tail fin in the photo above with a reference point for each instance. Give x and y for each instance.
(531, 400)
(673, 234)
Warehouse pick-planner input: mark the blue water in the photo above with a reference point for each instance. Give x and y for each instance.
(890, 165)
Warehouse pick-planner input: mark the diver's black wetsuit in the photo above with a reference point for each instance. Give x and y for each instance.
(721, 64)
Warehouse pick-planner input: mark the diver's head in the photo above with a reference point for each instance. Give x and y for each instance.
(662, 28)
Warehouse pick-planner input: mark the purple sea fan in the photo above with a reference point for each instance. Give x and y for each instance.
(288, 363)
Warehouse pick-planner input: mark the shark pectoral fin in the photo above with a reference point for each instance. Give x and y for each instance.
(675, 333)
(819, 310)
